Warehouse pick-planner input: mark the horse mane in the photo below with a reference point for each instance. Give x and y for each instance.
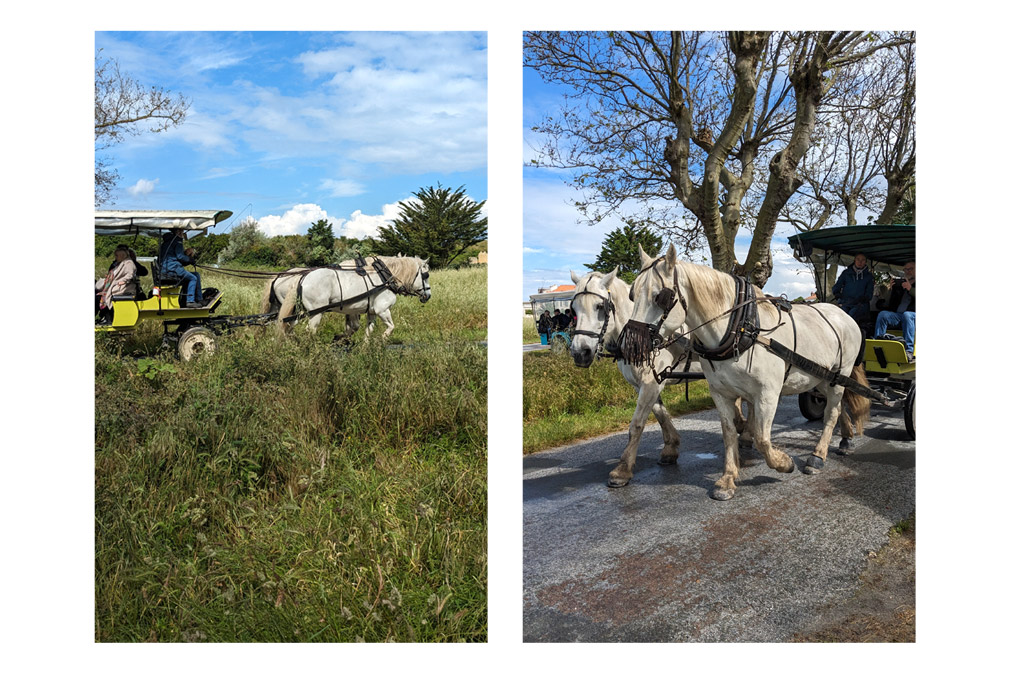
(404, 269)
(715, 291)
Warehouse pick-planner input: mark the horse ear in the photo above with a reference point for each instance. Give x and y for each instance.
(609, 278)
(646, 260)
(671, 255)
(575, 279)
(425, 260)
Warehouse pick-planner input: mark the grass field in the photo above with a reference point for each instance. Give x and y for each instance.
(562, 403)
(284, 490)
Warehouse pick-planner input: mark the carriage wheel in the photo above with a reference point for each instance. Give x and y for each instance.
(910, 412)
(812, 405)
(194, 342)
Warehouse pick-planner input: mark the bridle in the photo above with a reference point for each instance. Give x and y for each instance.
(638, 340)
(608, 309)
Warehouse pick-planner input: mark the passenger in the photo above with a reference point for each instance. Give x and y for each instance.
(854, 289)
(564, 319)
(544, 324)
(556, 319)
(571, 316)
(173, 258)
(121, 279)
(900, 309)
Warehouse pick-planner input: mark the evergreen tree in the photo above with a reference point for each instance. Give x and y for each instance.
(320, 238)
(439, 226)
(620, 250)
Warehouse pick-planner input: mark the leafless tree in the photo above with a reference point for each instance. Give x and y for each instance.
(700, 133)
(124, 107)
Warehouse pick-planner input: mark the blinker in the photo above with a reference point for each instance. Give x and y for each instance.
(666, 299)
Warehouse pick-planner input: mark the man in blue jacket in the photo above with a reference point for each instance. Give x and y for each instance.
(173, 257)
(854, 289)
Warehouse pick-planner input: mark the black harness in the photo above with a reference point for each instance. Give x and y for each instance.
(742, 330)
(608, 309)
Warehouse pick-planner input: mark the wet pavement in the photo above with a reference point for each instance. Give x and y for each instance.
(659, 560)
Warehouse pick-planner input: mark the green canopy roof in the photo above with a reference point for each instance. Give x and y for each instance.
(884, 245)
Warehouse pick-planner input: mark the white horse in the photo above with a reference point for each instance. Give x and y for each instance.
(344, 290)
(701, 298)
(602, 305)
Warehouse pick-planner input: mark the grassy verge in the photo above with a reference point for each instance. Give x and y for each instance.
(283, 490)
(530, 334)
(562, 403)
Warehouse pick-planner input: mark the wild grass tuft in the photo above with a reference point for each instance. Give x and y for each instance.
(562, 403)
(284, 490)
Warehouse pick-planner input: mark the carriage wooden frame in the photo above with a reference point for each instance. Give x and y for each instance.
(190, 329)
(887, 249)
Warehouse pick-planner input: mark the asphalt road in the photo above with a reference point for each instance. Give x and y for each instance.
(659, 560)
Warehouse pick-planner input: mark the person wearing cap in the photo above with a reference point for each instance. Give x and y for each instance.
(173, 259)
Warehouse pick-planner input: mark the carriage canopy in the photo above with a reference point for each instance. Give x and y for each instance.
(152, 222)
(888, 247)
(548, 301)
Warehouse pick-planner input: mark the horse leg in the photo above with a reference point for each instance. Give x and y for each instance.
(763, 415)
(351, 324)
(743, 424)
(387, 318)
(845, 448)
(621, 475)
(671, 438)
(725, 487)
(314, 322)
(832, 409)
(370, 326)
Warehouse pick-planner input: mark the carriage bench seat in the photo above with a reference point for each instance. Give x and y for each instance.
(885, 355)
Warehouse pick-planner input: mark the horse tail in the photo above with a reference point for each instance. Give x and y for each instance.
(266, 303)
(287, 308)
(858, 405)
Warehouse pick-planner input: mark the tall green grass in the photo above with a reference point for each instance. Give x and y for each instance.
(563, 403)
(285, 490)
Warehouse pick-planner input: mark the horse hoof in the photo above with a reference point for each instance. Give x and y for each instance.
(723, 493)
(814, 465)
(614, 482)
(668, 460)
(844, 448)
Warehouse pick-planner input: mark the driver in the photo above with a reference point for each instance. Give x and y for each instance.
(173, 258)
(854, 289)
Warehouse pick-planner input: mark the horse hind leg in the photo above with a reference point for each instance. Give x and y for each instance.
(832, 409)
(845, 447)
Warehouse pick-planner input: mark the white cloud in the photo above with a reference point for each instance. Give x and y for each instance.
(532, 250)
(363, 226)
(339, 188)
(142, 188)
(296, 220)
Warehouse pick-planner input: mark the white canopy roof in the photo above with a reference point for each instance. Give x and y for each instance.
(109, 222)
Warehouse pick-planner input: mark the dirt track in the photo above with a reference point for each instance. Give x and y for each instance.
(661, 561)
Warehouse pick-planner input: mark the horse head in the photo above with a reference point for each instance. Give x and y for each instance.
(421, 284)
(593, 306)
(658, 306)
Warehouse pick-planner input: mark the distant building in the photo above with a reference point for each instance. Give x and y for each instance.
(481, 258)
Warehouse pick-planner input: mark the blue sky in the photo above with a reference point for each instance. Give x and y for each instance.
(554, 242)
(294, 127)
